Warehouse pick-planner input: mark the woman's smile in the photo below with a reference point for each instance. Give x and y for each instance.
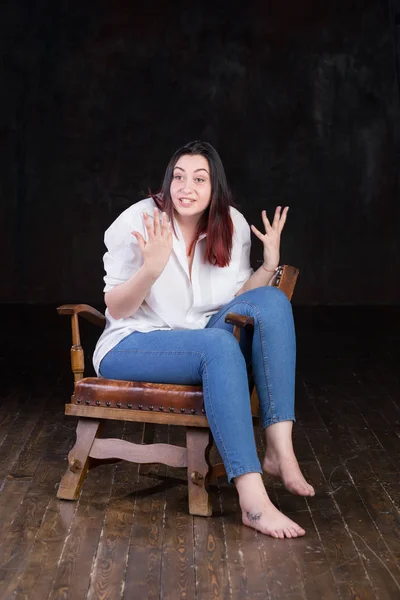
(186, 201)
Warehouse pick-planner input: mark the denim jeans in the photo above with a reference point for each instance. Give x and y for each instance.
(211, 357)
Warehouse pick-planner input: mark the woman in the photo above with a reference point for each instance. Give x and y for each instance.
(175, 265)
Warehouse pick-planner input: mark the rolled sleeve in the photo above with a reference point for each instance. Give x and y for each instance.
(123, 257)
(245, 270)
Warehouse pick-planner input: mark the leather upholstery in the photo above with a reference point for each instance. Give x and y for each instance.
(139, 396)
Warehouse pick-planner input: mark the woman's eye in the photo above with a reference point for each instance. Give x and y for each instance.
(199, 180)
(178, 177)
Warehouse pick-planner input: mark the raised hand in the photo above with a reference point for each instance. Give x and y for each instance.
(272, 236)
(157, 250)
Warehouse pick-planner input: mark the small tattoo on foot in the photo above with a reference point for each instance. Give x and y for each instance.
(254, 517)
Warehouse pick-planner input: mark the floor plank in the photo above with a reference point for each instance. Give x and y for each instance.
(236, 565)
(177, 561)
(74, 573)
(147, 533)
(210, 554)
(19, 431)
(19, 541)
(109, 568)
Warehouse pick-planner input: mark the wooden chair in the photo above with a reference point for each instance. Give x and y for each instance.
(96, 399)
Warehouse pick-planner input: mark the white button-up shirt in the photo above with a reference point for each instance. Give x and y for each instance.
(175, 300)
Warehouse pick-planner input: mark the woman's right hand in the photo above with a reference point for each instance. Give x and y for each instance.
(157, 250)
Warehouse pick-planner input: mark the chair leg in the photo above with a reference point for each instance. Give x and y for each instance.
(198, 442)
(78, 459)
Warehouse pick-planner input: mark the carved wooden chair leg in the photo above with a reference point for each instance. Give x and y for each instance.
(198, 443)
(78, 459)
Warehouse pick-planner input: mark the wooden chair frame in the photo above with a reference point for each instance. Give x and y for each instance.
(95, 400)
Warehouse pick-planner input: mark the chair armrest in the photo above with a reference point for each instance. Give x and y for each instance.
(239, 320)
(83, 310)
(285, 279)
(92, 315)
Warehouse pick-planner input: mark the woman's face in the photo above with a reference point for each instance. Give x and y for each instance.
(191, 187)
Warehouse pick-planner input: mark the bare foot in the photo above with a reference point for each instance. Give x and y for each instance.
(269, 520)
(258, 511)
(287, 468)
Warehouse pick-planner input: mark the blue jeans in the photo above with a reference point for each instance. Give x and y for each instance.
(211, 357)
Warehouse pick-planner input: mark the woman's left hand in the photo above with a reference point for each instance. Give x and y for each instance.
(272, 236)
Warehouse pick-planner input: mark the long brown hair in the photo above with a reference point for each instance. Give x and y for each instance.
(216, 221)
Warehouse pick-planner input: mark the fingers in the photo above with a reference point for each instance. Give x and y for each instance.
(165, 224)
(140, 240)
(266, 222)
(277, 216)
(283, 218)
(156, 231)
(280, 218)
(256, 232)
(157, 226)
(148, 225)
(169, 235)
(168, 229)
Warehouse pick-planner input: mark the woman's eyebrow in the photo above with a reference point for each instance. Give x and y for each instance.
(196, 171)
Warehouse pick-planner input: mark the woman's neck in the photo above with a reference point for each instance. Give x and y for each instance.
(188, 229)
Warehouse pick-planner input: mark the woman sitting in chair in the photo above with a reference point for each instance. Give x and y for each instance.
(176, 265)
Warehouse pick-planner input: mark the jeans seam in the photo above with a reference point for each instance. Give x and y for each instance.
(265, 361)
(264, 352)
(215, 421)
(169, 352)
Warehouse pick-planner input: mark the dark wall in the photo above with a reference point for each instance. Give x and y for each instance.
(300, 99)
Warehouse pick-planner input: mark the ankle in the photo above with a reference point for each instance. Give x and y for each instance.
(243, 482)
(251, 490)
(279, 454)
(278, 439)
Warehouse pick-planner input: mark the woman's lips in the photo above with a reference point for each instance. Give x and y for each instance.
(186, 201)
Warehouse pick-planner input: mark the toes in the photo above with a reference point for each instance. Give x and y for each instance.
(287, 533)
(301, 488)
(280, 533)
(296, 530)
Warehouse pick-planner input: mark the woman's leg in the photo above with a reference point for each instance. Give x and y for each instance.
(211, 357)
(272, 353)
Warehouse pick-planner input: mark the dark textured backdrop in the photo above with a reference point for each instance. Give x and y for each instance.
(300, 98)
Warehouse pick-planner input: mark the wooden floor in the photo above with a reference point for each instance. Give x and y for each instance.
(130, 536)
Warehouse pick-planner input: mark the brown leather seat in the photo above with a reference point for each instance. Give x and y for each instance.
(134, 395)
